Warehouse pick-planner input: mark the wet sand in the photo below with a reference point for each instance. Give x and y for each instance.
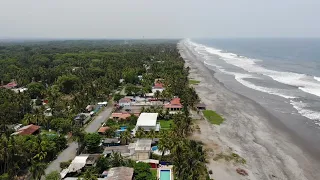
(249, 130)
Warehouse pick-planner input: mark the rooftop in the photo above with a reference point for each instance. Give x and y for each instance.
(158, 85)
(141, 145)
(103, 129)
(28, 130)
(147, 119)
(125, 100)
(120, 173)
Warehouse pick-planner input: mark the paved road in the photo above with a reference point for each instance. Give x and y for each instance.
(70, 152)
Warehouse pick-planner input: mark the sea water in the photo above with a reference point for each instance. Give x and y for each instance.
(283, 75)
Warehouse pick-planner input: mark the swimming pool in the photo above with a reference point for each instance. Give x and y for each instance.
(165, 175)
(154, 148)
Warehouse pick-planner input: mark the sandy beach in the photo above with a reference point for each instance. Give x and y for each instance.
(248, 130)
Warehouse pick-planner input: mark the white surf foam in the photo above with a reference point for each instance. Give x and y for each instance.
(303, 82)
(240, 78)
(317, 78)
(302, 109)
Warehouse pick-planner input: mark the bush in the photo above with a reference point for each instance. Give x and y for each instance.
(64, 165)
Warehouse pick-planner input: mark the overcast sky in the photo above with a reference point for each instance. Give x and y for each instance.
(159, 18)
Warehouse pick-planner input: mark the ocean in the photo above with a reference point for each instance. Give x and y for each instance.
(282, 75)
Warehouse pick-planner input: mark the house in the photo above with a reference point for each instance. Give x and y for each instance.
(10, 85)
(111, 142)
(123, 150)
(122, 115)
(80, 162)
(28, 130)
(147, 121)
(123, 102)
(120, 173)
(158, 87)
(140, 150)
(103, 130)
(174, 105)
(201, 106)
(82, 118)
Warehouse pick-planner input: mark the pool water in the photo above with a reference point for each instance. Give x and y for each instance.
(165, 175)
(154, 148)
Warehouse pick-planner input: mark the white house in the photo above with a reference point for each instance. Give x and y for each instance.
(147, 121)
(125, 102)
(140, 150)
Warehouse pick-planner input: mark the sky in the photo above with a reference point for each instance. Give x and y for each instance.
(159, 18)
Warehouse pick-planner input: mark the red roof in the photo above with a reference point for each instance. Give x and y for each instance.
(122, 115)
(28, 130)
(158, 85)
(10, 85)
(175, 101)
(103, 129)
(124, 100)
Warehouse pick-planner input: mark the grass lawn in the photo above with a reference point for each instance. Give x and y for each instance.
(213, 117)
(165, 124)
(154, 172)
(194, 82)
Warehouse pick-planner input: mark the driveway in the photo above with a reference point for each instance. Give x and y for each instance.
(70, 152)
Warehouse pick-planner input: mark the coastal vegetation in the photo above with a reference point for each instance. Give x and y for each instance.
(194, 82)
(64, 77)
(213, 117)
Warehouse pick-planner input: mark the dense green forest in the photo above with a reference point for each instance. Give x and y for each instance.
(72, 74)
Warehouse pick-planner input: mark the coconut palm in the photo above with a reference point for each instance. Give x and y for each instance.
(126, 136)
(152, 134)
(37, 169)
(140, 133)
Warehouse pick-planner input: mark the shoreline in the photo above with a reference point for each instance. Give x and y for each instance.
(249, 130)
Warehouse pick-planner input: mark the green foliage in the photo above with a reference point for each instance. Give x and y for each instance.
(64, 165)
(194, 82)
(232, 157)
(68, 83)
(4, 176)
(117, 97)
(166, 124)
(213, 117)
(102, 164)
(35, 89)
(55, 175)
(92, 141)
(142, 171)
(62, 125)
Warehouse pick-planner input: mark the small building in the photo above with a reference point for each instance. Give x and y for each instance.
(111, 142)
(103, 130)
(123, 150)
(120, 173)
(82, 118)
(201, 106)
(122, 115)
(123, 102)
(105, 103)
(174, 105)
(158, 87)
(80, 162)
(140, 150)
(147, 121)
(90, 108)
(28, 130)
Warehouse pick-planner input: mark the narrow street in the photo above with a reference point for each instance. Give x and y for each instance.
(70, 152)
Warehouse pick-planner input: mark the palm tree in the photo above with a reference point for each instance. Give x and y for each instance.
(90, 174)
(37, 169)
(140, 133)
(116, 159)
(126, 136)
(157, 94)
(152, 134)
(78, 135)
(165, 142)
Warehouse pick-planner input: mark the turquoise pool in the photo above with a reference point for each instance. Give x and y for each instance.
(165, 175)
